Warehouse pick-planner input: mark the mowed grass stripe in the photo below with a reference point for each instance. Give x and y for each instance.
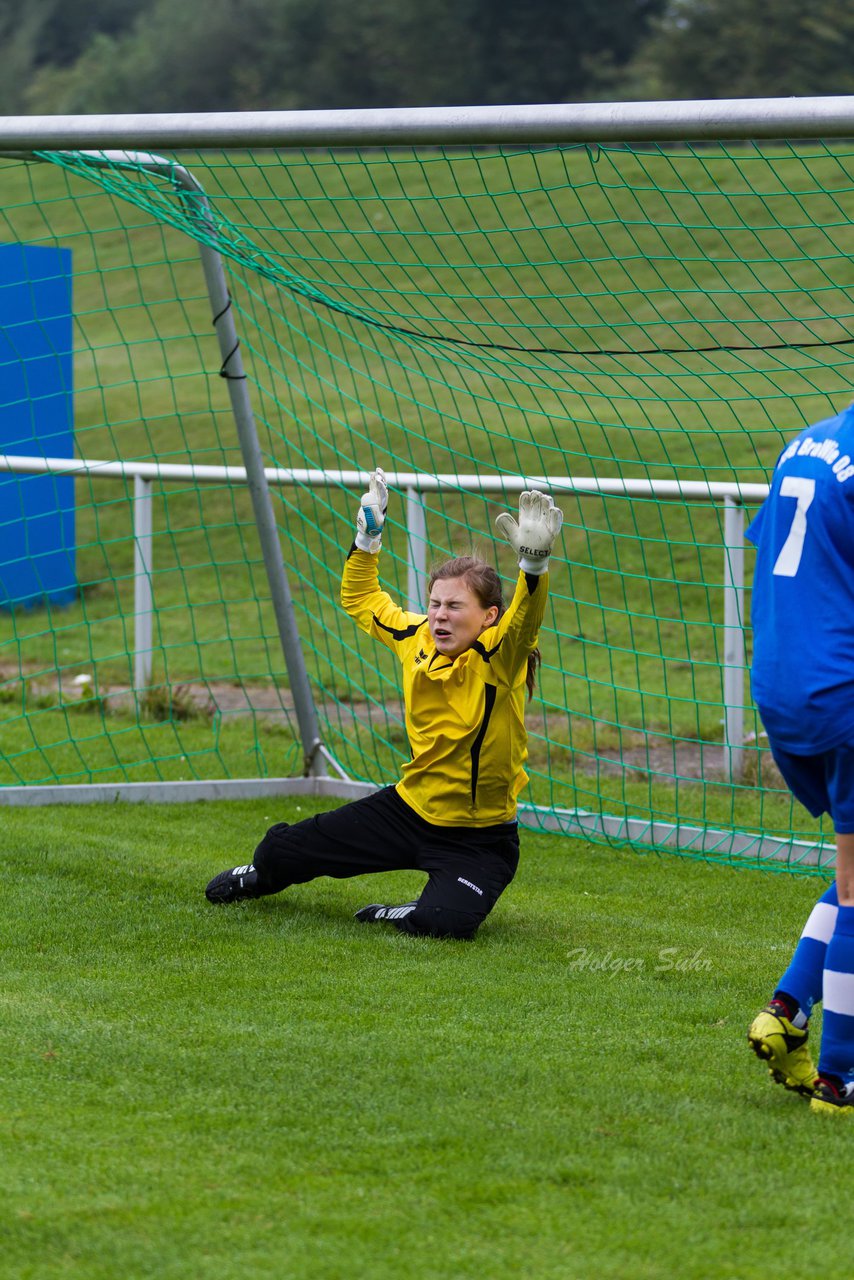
(276, 1091)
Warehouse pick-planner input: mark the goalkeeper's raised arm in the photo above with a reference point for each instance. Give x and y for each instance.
(370, 519)
(361, 595)
(468, 665)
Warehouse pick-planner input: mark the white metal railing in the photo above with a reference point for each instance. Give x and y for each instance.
(701, 119)
(732, 494)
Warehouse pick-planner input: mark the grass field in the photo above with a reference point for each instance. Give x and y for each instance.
(273, 1091)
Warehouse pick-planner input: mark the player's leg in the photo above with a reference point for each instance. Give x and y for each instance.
(799, 989)
(834, 1093)
(465, 880)
(779, 1033)
(366, 835)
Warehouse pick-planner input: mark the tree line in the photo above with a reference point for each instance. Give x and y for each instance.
(89, 56)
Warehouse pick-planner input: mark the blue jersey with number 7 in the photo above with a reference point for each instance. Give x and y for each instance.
(802, 609)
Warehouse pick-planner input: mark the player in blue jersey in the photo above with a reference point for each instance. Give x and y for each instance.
(802, 678)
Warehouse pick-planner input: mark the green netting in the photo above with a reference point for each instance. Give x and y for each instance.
(653, 313)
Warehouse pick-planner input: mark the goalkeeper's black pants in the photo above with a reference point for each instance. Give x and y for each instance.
(468, 868)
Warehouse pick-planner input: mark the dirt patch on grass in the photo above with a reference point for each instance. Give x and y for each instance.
(634, 755)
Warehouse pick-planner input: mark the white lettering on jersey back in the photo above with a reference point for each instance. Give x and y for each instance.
(825, 450)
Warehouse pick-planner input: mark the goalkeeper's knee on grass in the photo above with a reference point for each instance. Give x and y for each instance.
(423, 921)
(441, 922)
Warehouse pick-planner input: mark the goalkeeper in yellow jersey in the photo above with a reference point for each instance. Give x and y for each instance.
(467, 667)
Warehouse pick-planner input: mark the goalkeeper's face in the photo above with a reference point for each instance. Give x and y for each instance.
(456, 617)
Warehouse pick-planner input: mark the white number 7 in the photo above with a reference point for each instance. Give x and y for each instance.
(792, 549)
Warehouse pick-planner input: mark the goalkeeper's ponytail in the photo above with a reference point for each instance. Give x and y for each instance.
(482, 579)
(534, 660)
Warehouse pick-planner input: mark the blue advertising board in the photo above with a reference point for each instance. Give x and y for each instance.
(37, 527)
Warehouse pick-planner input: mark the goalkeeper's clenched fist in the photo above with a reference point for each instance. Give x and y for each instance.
(371, 517)
(533, 537)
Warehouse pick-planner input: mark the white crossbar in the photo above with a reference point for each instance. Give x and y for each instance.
(422, 482)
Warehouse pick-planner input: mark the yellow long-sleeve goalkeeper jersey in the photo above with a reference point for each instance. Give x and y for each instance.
(464, 715)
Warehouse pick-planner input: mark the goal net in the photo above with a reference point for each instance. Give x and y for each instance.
(639, 326)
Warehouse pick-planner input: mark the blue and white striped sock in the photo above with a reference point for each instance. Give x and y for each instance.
(837, 1036)
(802, 981)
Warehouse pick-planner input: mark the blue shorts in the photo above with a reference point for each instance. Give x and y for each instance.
(824, 782)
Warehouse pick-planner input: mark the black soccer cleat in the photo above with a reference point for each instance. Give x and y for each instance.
(234, 885)
(377, 912)
(833, 1097)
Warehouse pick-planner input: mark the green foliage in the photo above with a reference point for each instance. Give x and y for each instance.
(198, 1093)
(20, 30)
(546, 52)
(746, 48)
(175, 55)
(44, 41)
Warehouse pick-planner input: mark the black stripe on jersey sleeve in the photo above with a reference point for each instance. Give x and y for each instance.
(399, 633)
(485, 653)
(490, 692)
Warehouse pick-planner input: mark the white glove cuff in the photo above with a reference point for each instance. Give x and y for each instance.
(365, 542)
(536, 567)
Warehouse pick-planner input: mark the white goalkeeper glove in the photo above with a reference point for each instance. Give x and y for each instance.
(533, 537)
(371, 518)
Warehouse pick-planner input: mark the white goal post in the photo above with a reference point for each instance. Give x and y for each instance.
(138, 140)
